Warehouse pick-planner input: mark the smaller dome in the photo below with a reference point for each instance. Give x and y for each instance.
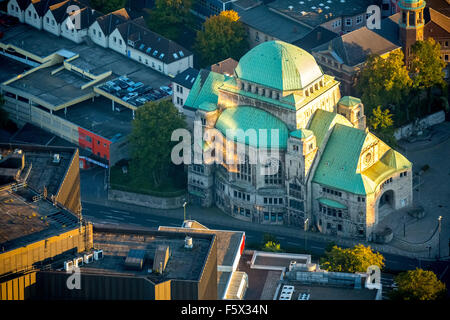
(232, 120)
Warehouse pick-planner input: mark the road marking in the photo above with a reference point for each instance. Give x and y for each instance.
(151, 220)
(108, 222)
(123, 212)
(281, 238)
(293, 243)
(114, 217)
(314, 247)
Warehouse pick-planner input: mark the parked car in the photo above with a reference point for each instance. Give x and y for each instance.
(126, 80)
(158, 94)
(141, 101)
(129, 96)
(143, 90)
(166, 89)
(135, 86)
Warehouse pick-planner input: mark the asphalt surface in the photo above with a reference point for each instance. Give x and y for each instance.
(99, 214)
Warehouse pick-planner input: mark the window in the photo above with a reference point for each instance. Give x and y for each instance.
(114, 39)
(48, 20)
(120, 41)
(339, 227)
(94, 32)
(266, 216)
(88, 138)
(257, 37)
(265, 200)
(98, 142)
(359, 19)
(280, 216)
(348, 22)
(273, 217)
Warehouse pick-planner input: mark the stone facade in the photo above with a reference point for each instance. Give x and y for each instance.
(292, 195)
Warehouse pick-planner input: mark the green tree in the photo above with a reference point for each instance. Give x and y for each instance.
(107, 6)
(382, 124)
(168, 17)
(427, 67)
(353, 260)
(150, 140)
(384, 81)
(223, 36)
(418, 285)
(272, 247)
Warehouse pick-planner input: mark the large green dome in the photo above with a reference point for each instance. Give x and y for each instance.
(278, 65)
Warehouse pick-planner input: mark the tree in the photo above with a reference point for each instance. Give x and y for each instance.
(107, 6)
(384, 81)
(272, 247)
(427, 67)
(150, 140)
(418, 285)
(223, 36)
(168, 17)
(383, 125)
(353, 260)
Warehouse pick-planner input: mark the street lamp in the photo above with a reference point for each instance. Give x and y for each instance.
(439, 236)
(184, 207)
(306, 228)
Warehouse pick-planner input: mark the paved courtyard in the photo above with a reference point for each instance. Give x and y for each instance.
(432, 192)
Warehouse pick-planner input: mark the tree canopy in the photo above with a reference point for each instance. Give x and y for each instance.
(353, 260)
(384, 81)
(150, 139)
(426, 64)
(107, 6)
(418, 285)
(223, 36)
(383, 125)
(168, 17)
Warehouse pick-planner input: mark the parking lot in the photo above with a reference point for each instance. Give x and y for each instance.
(134, 93)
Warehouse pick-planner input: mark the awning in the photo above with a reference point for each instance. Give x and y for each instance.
(331, 203)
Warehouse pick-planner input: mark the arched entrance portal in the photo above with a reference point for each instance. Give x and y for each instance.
(387, 199)
(386, 204)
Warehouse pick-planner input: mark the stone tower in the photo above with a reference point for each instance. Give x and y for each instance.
(411, 24)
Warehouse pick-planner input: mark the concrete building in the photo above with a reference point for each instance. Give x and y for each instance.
(76, 24)
(330, 173)
(138, 265)
(231, 283)
(58, 85)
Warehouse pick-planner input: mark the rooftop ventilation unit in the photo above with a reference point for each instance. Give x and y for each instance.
(98, 255)
(78, 262)
(88, 258)
(290, 8)
(304, 296)
(56, 158)
(188, 244)
(68, 265)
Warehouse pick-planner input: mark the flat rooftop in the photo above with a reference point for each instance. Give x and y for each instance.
(65, 86)
(183, 264)
(24, 220)
(43, 172)
(97, 116)
(320, 292)
(228, 242)
(307, 12)
(11, 68)
(60, 88)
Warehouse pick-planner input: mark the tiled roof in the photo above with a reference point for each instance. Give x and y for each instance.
(151, 43)
(332, 203)
(186, 78)
(279, 65)
(110, 21)
(315, 38)
(226, 66)
(245, 118)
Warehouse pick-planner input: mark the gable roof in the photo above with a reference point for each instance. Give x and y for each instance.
(87, 17)
(431, 15)
(110, 21)
(323, 121)
(151, 43)
(226, 66)
(315, 38)
(186, 78)
(354, 47)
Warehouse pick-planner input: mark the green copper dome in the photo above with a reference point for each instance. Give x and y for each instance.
(278, 65)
